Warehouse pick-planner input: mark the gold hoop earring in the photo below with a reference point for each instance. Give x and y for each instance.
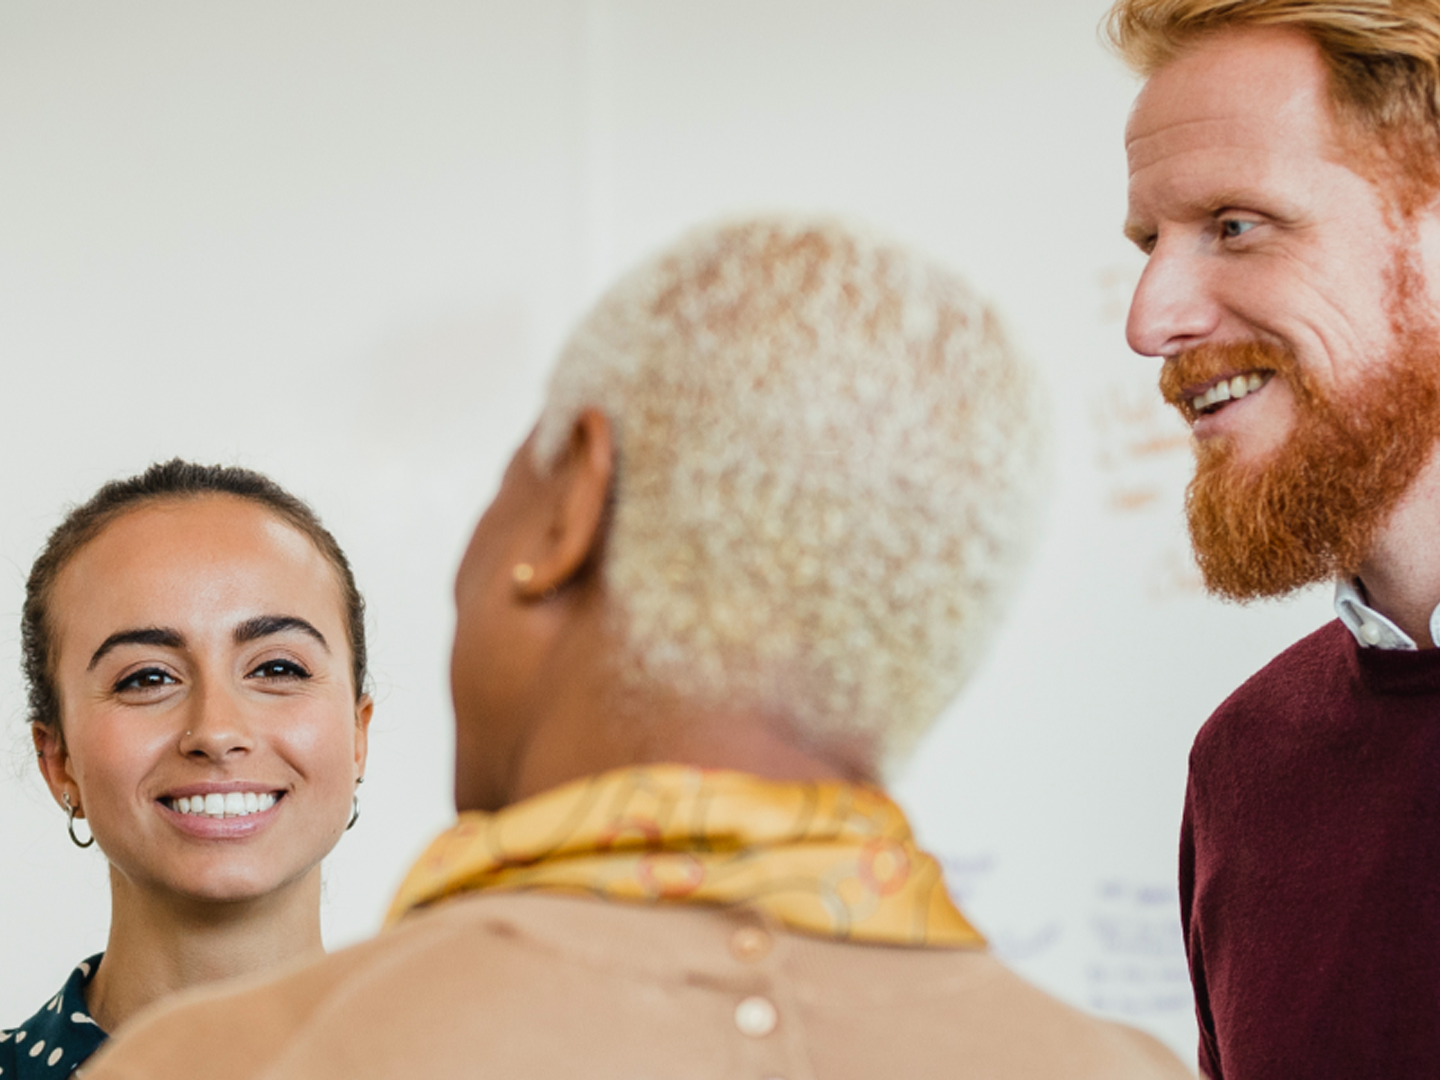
(70, 822)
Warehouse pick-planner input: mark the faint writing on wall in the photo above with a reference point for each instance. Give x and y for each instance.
(1138, 970)
(1142, 450)
(1012, 943)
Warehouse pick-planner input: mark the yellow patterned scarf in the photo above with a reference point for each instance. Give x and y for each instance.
(830, 859)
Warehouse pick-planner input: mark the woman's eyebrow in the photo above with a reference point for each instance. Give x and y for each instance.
(265, 625)
(151, 635)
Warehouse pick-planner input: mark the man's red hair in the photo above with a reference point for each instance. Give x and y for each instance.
(1383, 57)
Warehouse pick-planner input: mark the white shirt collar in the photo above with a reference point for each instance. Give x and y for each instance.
(1371, 629)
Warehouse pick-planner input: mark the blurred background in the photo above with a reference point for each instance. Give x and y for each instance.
(340, 242)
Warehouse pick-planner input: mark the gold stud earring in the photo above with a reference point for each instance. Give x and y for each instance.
(523, 573)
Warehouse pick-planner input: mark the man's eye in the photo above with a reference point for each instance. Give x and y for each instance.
(145, 679)
(1231, 228)
(279, 669)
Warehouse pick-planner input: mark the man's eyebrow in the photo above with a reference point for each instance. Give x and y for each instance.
(265, 625)
(1240, 198)
(150, 635)
(1137, 233)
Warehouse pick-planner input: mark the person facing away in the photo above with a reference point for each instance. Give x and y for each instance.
(194, 646)
(1284, 171)
(752, 548)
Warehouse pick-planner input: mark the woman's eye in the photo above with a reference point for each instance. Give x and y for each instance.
(1232, 227)
(279, 669)
(145, 679)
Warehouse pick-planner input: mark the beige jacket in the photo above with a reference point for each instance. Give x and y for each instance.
(540, 986)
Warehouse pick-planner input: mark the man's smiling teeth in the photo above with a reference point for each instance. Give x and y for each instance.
(1229, 390)
(232, 804)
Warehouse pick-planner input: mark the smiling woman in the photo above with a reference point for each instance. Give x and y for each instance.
(194, 646)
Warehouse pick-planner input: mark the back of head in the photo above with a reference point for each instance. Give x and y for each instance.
(1383, 57)
(828, 457)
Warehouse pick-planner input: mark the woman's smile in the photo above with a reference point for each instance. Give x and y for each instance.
(210, 814)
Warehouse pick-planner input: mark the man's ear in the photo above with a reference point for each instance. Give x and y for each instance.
(576, 497)
(54, 763)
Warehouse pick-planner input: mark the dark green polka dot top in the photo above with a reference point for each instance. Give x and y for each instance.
(58, 1038)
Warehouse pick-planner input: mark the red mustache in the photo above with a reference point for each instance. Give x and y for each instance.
(1190, 372)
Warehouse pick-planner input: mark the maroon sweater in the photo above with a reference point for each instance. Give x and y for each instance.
(1310, 867)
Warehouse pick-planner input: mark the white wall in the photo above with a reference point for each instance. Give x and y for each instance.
(339, 242)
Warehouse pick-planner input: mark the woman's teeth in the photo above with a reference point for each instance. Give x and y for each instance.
(232, 804)
(1230, 390)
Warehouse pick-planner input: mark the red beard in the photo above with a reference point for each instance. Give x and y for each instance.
(1312, 511)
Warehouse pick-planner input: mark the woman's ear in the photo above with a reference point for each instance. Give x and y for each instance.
(576, 497)
(54, 762)
(364, 709)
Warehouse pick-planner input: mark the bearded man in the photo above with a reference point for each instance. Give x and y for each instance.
(1284, 169)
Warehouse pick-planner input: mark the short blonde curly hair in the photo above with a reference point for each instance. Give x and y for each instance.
(829, 458)
(1383, 57)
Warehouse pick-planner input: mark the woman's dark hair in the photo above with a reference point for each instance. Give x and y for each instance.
(174, 480)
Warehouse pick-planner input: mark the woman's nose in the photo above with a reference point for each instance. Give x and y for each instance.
(215, 727)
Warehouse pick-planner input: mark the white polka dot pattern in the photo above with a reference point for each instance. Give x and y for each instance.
(58, 1038)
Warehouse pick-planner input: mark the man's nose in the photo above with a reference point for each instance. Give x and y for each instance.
(1173, 308)
(215, 726)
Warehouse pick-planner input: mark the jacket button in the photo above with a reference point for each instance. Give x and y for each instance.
(750, 943)
(756, 1017)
